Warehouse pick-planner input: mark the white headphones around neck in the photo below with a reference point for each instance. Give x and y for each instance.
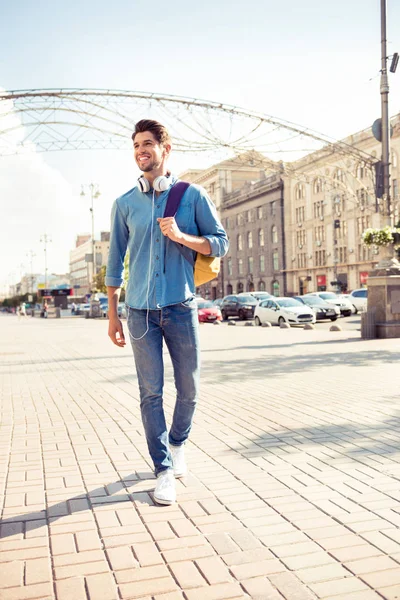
(160, 184)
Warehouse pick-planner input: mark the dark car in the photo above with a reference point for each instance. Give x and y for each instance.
(238, 306)
(323, 310)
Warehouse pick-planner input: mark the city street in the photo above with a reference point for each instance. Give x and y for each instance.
(294, 484)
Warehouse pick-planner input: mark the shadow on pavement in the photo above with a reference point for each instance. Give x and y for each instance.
(218, 371)
(37, 519)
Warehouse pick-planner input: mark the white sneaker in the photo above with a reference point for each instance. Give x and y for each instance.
(178, 460)
(165, 492)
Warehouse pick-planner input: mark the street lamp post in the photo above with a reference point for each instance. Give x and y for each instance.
(94, 193)
(45, 239)
(384, 89)
(31, 256)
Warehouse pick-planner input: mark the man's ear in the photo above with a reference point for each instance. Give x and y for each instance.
(167, 149)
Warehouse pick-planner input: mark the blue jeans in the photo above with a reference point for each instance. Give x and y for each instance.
(178, 326)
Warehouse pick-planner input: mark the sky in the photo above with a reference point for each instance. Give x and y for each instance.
(307, 62)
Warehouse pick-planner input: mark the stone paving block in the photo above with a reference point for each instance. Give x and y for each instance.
(40, 591)
(187, 575)
(380, 579)
(213, 570)
(73, 588)
(11, 574)
(38, 570)
(88, 540)
(102, 587)
(339, 587)
(77, 558)
(81, 569)
(221, 591)
(150, 588)
(147, 554)
(255, 569)
(260, 588)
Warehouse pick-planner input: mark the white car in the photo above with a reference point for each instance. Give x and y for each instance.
(283, 310)
(359, 299)
(345, 306)
(258, 295)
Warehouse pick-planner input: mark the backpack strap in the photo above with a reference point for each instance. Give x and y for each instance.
(174, 197)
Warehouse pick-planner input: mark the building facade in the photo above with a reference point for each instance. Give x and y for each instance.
(253, 217)
(82, 267)
(296, 227)
(225, 182)
(330, 199)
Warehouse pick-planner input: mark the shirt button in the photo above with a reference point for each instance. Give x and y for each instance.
(158, 206)
(157, 240)
(157, 257)
(156, 274)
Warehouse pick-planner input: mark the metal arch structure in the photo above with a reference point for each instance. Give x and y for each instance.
(87, 119)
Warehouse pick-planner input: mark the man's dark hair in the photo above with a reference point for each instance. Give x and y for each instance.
(159, 131)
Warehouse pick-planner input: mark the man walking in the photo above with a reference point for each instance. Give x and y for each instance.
(160, 294)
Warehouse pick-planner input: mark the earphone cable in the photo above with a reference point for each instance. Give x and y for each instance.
(149, 272)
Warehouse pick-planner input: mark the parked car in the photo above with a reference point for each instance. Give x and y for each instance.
(238, 306)
(208, 312)
(121, 310)
(258, 295)
(283, 310)
(323, 310)
(359, 299)
(344, 305)
(217, 302)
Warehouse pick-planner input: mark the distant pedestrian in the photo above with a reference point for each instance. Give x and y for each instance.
(45, 309)
(22, 310)
(73, 308)
(160, 295)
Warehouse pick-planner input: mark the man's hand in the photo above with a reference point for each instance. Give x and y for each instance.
(116, 332)
(170, 229)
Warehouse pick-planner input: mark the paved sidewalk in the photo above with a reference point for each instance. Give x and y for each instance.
(294, 489)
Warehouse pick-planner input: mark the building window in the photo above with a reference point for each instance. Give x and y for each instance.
(262, 263)
(275, 288)
(261, 237)
(339, 204)
(261, 286)
(394, 159)
(342, 254)
(301, 237)
(250, 264)
(260, 212)
(239, 219)
(318, 209)
(395, 190)
(249, 216)
(240, 242)
(229, 266)
(275, 261)
(273, 209)
(362, 224)
(301, 260)
(319, 233)
(249, 239)
(338, 178)
(300, 191)
(240, 266)
(274, 234)
(361, 170)
(239, 287)
(227, 222)
(300, 214)
(318, 185)
(320, 258)
(362, 198)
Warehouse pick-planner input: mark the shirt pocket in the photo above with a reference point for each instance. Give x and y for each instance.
(184, 217)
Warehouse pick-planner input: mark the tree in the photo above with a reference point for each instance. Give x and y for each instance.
(99, 280)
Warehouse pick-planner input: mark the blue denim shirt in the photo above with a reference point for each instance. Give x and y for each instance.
(159, 275)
